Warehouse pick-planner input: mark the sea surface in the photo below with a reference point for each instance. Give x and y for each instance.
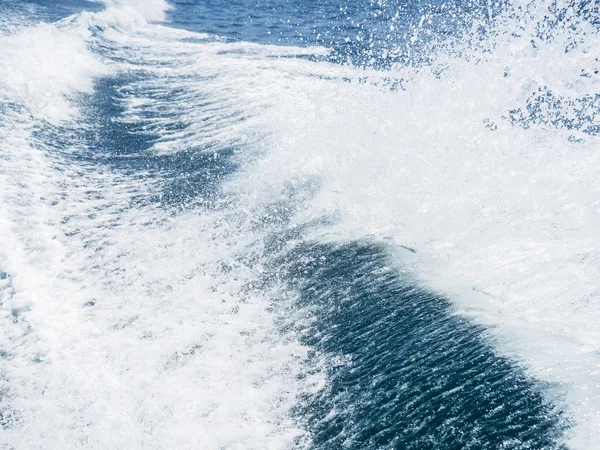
(309, 224)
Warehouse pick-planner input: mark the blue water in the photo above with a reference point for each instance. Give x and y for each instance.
(415, 375)
(418, 377)
(357, 32)
(186, 176)
(46, 11)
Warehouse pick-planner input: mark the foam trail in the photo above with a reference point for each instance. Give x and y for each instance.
(126, 324)
(136, 321)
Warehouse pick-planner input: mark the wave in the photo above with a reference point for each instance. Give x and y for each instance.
(122, 324)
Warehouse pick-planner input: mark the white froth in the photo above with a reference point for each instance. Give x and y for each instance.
(152, 10)
(42, 66)
(121, 326)
(504, 219)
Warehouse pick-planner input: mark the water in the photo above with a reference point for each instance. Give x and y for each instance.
(321, 225)
(411, 375)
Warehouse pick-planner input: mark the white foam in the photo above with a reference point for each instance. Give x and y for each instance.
(122, 328)
(153, 10)
(44, 64)
(504, 219)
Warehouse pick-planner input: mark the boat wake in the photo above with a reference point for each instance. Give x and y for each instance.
(212, 243)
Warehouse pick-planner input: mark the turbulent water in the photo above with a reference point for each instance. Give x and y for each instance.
(308, 224)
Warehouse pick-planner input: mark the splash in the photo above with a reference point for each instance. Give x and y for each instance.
(483, 162)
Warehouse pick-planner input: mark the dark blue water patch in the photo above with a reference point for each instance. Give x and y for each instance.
(589, 10)
(374, 33)
(546, 108)
(414, 375)
(561, 16)
(188, 177)
(196, 177)
(110, 138)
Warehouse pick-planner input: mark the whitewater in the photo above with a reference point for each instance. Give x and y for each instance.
(212, 241)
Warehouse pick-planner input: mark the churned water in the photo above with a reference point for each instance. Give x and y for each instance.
(299, 224)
